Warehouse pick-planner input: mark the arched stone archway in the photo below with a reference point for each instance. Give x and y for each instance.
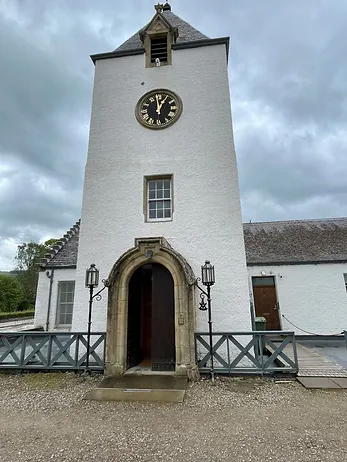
(151, 250)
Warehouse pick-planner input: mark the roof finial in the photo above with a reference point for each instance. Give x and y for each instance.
(167, 6)
(159, 8)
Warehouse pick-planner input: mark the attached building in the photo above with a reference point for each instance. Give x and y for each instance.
(297, 277)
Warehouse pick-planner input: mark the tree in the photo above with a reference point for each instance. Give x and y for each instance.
(28, 257)
(11, 293)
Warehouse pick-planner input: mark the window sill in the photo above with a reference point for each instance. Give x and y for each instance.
(159, 220)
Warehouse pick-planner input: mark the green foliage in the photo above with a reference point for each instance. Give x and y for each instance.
(17, 314)
(27, 271)
(11, 293)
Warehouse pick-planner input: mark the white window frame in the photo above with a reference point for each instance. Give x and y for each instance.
(149, 200)
(60, 303)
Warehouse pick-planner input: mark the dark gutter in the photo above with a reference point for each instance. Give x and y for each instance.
(117, 54)
(204, 43)
(44, 268)
(299, 262)
(177, 46)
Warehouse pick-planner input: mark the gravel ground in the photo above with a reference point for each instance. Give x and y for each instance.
(44, 418)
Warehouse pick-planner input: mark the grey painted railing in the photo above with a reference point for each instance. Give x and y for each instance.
(259, 353)
(51, 350)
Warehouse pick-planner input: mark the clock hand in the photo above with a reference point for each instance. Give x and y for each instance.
(161, 104)
(158, 105)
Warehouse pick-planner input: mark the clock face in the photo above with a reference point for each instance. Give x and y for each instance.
(158, 109)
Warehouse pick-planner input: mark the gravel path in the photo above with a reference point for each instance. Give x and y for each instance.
(44, 418)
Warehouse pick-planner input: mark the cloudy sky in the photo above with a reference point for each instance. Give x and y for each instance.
(288, 76)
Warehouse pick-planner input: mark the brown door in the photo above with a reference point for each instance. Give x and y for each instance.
(265, 301)
(134, 356)
(163, 320)
(151, 318)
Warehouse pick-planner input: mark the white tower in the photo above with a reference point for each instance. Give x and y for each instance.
(161, 196)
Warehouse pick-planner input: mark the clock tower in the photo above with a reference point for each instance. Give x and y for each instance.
(161, 196)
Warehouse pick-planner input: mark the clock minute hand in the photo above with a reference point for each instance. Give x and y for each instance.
(158, 105)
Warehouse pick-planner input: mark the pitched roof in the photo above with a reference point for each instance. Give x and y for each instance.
(188, 37)
(297, 241)
(267, 243)
(64, 253)
(186, 33)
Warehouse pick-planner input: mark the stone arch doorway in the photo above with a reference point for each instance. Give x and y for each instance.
(149, 251)
(151, 319)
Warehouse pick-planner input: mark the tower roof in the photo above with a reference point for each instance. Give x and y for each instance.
(186, 33)
(187, 37)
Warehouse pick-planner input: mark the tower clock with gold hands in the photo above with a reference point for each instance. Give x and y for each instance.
(159, 109)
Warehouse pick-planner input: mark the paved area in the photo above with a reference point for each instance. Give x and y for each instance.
(314, 364)
(17, 326)
(335, 351)
(318, 368)
(323, 382)
(44, 418)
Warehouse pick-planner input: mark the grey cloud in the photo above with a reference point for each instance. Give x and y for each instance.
(288, 88)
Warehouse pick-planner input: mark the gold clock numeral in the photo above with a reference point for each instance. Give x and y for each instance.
(159, 96)
(173, 108)
(158, 122)
(172, 101)
(171, 114)
(145, 117)
(145, 105)
(167, 120)
(151, 99)
(150, 121)
(144, 111)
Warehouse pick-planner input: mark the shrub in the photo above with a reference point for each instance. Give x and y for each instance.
(11, 293)
(24, 305)
(16, 314)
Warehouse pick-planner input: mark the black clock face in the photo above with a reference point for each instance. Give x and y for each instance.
(158, 109)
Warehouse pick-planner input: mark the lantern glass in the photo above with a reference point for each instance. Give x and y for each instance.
(207, 274)
(92, 276)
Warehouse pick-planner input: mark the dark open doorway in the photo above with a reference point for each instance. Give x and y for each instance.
(151, 318)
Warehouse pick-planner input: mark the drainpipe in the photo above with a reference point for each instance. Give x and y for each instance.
(251, 307)
(50, 277)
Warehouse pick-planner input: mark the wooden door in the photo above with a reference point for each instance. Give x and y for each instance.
(265, 301)
(146, 342)
(134, 319)
(163, 320)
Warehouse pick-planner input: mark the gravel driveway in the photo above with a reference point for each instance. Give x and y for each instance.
(44, 418)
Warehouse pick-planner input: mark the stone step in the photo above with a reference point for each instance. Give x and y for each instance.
(169, 389)
(136, 394)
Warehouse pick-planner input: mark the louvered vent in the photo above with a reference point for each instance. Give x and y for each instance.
(159, 49)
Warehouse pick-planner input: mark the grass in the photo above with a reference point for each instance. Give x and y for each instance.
(16, 314)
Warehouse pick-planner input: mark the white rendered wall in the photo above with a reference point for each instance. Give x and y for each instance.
(198, 150)
(42, 297)
(313, 297)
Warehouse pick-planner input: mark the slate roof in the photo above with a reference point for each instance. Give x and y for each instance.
(64, 253)
(300, 241)
(267, 243)
(186, 33)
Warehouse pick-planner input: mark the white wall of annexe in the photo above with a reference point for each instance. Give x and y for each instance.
(206, 220)
(311, 296)
(42, 297)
